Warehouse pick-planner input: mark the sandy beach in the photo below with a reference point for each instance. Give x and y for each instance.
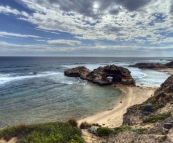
(114, 117)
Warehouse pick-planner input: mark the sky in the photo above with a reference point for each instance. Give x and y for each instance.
(109, 28)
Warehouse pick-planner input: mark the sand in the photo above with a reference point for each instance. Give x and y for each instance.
(167, 70)
(13, 140)
(114, 118)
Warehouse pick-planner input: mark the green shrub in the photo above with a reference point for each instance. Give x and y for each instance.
(58, 132)
(121, 129)
(139, 131)
(103, 131)
(157, 106)
(85, 125)
(147, 107)
(154, 119)
(77, 139)
(72, 122)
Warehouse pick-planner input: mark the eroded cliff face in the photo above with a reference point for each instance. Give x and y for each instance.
(103, 75)
(155, 112)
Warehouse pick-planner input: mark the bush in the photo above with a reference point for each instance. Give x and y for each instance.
(85, 125)
(121, 129)
(72, 122)
(58, 132)
(154, 119)
(147, 107)
(77, 139)
(139, 131)
(103, 131)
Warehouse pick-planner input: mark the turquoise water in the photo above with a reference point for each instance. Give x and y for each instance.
(34, 89)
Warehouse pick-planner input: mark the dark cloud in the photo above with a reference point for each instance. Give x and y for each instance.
(85, 7)
(114, 11)
(171, 10)
(132, 5)
(112, 29)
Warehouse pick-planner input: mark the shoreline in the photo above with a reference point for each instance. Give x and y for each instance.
(114, 117)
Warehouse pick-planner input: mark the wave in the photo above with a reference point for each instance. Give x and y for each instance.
(52, 76)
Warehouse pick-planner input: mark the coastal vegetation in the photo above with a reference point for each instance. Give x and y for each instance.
(57, 132)
(103, 131)
(156, 118)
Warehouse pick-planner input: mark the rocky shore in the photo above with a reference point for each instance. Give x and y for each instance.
(153, 65)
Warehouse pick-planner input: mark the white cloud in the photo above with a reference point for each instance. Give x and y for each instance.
(125, 26)
(9, 10)
(100, 20)
(64, 42)
(4, 34)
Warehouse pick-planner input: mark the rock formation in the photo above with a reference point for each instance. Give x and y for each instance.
(77, 72)
(149, 65)
(156, 110)
(103, 75)
(170, 64)
(153, 65)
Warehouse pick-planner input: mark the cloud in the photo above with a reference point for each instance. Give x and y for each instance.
(4, 34)
(171, 8)
(9, 10)
(119, 22)
(132, 5)
(64, 42)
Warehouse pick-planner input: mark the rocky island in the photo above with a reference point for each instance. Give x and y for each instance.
(107, 75)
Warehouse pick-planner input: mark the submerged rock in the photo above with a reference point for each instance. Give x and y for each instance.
(103, 75)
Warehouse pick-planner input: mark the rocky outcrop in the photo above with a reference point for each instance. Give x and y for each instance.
(77, 72)
(149, 65)
(169, 65)
(103, 75)
(153, 65)
(162, 97)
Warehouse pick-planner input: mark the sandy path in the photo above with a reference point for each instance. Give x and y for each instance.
(114, 117)
(13, 140)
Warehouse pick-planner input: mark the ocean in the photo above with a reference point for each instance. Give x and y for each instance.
(34, 89)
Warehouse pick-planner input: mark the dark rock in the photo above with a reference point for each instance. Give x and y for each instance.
(149, 65)
(168, 125)
(77, 72)
(103, 75)
(170, 64)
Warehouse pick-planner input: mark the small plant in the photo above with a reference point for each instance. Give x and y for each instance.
(103, 131)
(121, 129)
(139, 131)
(72, 122)
(157, 106)
(85, 125)
(147, 107)
(77, 139)
(154, 119)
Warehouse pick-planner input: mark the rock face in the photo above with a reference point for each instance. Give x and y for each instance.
(103, 75)
(161, 98)
(149, 65)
